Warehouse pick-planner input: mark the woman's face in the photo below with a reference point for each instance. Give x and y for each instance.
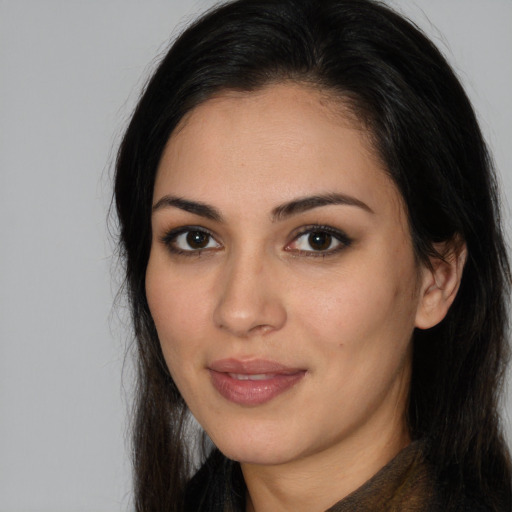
(282, 279)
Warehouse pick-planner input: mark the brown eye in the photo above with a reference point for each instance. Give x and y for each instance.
(319, 240)
(190, 241)
(197, 239)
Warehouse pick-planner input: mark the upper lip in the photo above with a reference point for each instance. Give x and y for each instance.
(252, 367)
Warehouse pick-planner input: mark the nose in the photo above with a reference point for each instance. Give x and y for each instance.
(249, 300)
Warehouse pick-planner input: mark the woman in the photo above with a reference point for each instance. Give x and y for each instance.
(316, 268)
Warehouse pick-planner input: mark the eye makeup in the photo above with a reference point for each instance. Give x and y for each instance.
(318, 240)
(313, 240)
(189, 241)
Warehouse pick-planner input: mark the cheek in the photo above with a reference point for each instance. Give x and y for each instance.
(368, 307)
(179, 310)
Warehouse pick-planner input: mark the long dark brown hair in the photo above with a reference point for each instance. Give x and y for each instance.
(424, 128)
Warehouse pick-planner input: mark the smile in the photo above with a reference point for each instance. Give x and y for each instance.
(261, 376)
(252, 383)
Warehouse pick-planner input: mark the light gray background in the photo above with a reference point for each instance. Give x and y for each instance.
(70, 72)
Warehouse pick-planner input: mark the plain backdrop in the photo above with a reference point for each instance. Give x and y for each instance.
(70, 73)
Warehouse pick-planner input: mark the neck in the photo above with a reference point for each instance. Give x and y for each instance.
(316, 482)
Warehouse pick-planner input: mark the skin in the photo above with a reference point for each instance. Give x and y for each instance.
(258, 290)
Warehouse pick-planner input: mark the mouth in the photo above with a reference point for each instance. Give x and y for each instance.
(259, 376)
(252, 382)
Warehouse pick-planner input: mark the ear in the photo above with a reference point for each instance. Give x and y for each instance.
(440, 282)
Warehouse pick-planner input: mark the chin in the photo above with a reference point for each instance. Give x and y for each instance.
(253, 455)
(247, 447)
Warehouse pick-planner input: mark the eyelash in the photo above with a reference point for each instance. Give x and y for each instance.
(335, 234)
(169, 240)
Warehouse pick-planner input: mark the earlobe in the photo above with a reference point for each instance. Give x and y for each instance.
(440, 283)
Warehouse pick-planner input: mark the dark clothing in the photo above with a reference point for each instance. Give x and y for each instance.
(406, 484)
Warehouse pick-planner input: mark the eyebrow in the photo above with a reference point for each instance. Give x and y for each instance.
(308, 203)
(279, 213)
(195, 207)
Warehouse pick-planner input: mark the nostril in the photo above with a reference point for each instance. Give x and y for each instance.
(261, 329)
(256, 317)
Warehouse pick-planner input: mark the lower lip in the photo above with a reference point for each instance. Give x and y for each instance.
(253, 392)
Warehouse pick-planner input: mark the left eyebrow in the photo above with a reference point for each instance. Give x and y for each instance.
(195, 207)
(308, 203)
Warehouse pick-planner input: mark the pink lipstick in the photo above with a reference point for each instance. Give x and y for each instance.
(252, 382)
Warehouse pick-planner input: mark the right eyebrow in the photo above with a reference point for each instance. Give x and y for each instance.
(195, 207)
(303, 204)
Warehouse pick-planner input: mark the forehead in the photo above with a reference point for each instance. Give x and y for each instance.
(279, 142)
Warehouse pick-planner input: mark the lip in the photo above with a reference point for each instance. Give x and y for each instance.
(252, 382)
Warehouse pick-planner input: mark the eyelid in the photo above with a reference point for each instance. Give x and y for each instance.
(343, 239)
(340, 236)
(171, 235)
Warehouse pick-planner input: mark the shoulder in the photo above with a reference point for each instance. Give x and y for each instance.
(410, 483)
(468, 498)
